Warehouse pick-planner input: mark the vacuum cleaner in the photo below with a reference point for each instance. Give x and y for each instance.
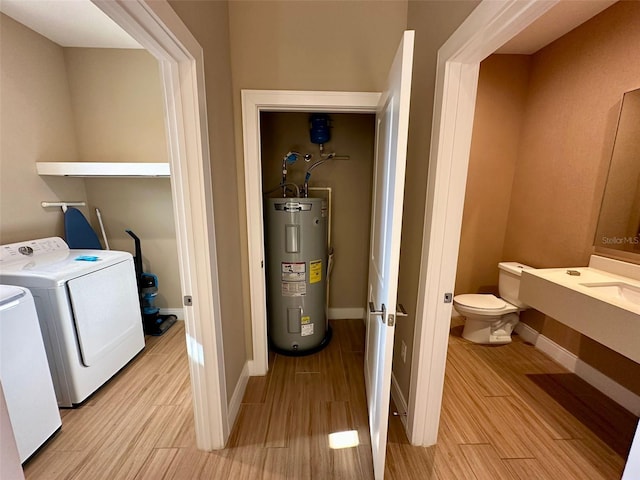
(152, 322)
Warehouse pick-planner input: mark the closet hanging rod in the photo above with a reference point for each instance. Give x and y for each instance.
(64, 205)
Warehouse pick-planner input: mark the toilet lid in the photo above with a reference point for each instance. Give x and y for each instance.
(480, 300)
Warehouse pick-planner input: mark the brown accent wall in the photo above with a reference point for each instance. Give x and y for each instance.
(576, 87)
(500, 106)
(350, 180)
(575, 91)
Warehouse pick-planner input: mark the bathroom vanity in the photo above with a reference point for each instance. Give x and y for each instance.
(601, 301)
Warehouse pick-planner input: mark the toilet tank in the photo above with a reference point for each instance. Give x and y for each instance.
(509, 282)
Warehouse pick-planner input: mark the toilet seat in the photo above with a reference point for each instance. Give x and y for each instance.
(480, 300)
(482, 304)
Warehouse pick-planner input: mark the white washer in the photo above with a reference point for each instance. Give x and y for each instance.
(24, 373)
(88, 307)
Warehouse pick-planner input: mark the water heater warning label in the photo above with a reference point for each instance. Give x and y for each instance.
(294, 272)
(315, 271)
(306, 330)
(294, 289)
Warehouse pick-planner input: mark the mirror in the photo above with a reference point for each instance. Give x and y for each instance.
(619, 222)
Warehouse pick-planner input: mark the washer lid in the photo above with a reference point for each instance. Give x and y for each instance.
(481, 301)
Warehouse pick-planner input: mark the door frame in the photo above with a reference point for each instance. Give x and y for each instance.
(486, 29)
(156, 26)
(253, 103)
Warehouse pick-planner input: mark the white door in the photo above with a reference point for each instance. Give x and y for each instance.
(392, 121)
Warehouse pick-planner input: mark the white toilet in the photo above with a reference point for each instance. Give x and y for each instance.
(489, 319)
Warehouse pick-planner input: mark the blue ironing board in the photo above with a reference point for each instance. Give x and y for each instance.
(77, 231)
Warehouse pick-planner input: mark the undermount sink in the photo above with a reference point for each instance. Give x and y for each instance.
(617, 290)
(601, 301)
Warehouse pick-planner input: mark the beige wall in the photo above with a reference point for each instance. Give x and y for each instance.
(144, 206)
(434, 22)
(209, 24)
(311, 45)
(568, 126)
(353, 135)
(500, 104)
(314, 45)
(36, 125)
(117, 103)
(348, 46)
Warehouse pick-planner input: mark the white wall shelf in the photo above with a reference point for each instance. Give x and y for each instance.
(103, 169)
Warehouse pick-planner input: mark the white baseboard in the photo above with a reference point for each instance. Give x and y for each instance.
(178, 312)
(253, 371)
(571, 362)
(527, 333)
(238, 394)
(400, 401)
(560, 354)
(346, 313)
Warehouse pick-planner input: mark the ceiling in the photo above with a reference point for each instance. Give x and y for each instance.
(561, 19)
(69, 23)
(79, 23)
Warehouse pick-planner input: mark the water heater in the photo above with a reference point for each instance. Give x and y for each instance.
(296, 251)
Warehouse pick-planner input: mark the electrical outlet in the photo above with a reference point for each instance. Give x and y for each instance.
(403, 351)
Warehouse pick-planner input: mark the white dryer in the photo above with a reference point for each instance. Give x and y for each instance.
(88, 307)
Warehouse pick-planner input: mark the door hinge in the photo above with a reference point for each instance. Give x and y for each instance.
(188, 300)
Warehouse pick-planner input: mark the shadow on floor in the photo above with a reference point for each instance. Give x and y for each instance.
(613, 424)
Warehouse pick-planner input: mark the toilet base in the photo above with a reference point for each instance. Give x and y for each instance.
(490, 331)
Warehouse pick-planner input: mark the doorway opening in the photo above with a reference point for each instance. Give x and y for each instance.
(337, 172)
(273, 110)
(158, 29)
(392, 112)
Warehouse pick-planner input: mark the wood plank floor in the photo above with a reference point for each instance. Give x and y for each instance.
(508, 412)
